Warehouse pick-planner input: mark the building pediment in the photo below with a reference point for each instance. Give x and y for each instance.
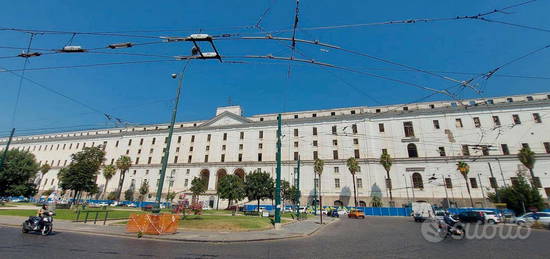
(224, 119)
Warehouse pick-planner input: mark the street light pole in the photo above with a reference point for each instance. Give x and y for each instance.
(169, 140)
(278, 172)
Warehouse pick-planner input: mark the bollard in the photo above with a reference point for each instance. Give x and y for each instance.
(96, 213)
(105, 219)
(86, 218)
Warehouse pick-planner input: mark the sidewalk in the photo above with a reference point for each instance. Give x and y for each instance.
(292, 230)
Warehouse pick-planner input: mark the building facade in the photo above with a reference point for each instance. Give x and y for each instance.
(426, 140)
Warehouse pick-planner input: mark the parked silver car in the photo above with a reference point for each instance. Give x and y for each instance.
(529, 218)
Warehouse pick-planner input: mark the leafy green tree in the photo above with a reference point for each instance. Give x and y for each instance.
(108, 172)
(170, 196)
(259, 185)
(129, 194)
(81, 173)
(386, 161)
(123, 163)
(527, 158)
(17, 174)
(47, 192)
(285, 191)
(464, 169)
(353, 167)
(44, 169)
(112, 196)
(231, 187)
(143, 190)
(520, 196)
(198, 187)
(376, 201)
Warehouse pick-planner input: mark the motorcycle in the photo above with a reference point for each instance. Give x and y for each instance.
(455, 231)
(43, 224)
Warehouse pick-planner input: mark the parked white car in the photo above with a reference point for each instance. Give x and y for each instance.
(529, 218)
(490, 216)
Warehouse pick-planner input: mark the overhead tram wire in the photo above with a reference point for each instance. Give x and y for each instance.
(21, 83)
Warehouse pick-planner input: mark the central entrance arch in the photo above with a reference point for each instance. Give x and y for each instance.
(239, 172)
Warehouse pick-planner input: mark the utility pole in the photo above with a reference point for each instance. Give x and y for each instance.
(496, 183)
(3, 159)
(297, 184)
(482, 191)
(169, 140)
(278, 172)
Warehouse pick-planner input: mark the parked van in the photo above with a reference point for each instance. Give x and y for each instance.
(421, 211)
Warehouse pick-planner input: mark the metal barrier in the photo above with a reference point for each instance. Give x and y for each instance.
(87, 212)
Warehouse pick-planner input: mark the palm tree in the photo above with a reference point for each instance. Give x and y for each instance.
(387, 161)
(123, 163)
(44, 169)
(318, 169)
(353, 168)
(108, 172)
(527, 158)
(464, 169)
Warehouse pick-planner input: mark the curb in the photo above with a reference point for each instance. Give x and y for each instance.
(161, 238)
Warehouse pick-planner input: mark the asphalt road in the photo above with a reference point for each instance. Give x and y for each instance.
(375, 237)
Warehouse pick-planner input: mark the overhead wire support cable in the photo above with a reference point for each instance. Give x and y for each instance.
(21, 83)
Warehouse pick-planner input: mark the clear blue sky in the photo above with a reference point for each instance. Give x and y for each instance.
(141, 93)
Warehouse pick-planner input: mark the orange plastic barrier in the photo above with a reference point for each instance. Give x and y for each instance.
(153, 224)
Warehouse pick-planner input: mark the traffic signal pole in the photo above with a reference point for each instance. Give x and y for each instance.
(278, 179)
(3, 159)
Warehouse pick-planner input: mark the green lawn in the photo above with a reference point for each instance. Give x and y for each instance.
(71, 214)
(225, 223)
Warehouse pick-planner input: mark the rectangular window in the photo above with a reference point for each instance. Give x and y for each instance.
(458, 123)
(151, 151)
(408, 127)
(223, 147)
(496, 121)
(334, 154)
(222, 158)
(191, 148)
(473, 182)
(208, 137)
(505, 150)
(192, 138)
(332, 113)
(448, 183)
(295, 132)
(354, 128)
(260, 145)
(333, 130)
(240, 146)
(137, 160)
(241, 135)
(129, 142)
(261, 134)
(315, 143)
(336, 183)
(465, 150)
(149, 160)
(336, 169)
(175, 159)
(436, 124)
(179, 139)
(352, 111)
(207, 148)
(240, 157)
(359, 183)
(442, 151)
(295, 143)
(224, 136)
(335, 142)
(485, 150)
(260, 157)
(493, 182)
(516, 119)
(206, 158)
(296, 116)
(189, 158)
(477, 122)
(356, 153)
(356, 141)
(525, 145)
(154, 140)
(537, 118)
(381, 127)
(139, 151)
(315, 155)
(547, 147)
(296, 156)
(177, 149)
(314, 131)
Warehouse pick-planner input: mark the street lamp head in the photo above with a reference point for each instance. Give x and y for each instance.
(174, 75)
